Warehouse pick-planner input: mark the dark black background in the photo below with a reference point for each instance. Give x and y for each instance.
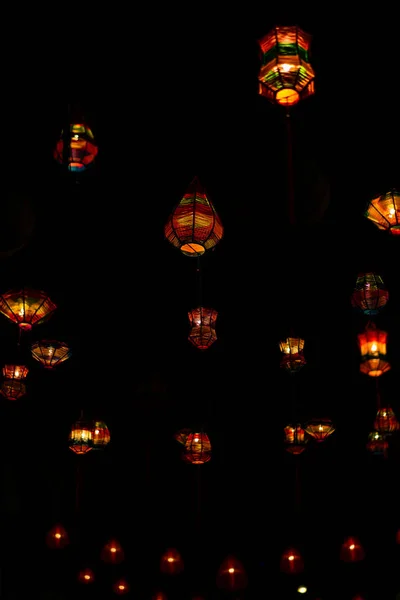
(175, 95)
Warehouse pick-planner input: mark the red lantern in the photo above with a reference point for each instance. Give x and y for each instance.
(372, 344)
(80, 437)
(377, 443)
(231, 575)
(50, 353)
(13, 390)
(26, 307)
(86, 576)
(370, 294)
(57, 537)
(202, 327)
(352, 550)
(171, 562)
(292, 350)
(194, 226)
(197, 449)
(112, 552)
(295, 439)
(320, 429)
(82, 149)
(100, 435)
(291, 562)
(18, 372)
(121, 587)
(386, 421)
(384, 212)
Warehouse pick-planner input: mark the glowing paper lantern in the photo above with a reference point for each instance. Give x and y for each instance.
(13, 386)
(384, 212)
(80, 437)
(352, 550)
(295, 439)
(57, 537)
(86, 576)
(171, 562)
(202, 327)
(194, 226)
(100, 435)
(320, 429)
(26, 307)
(286, 74)
(112, 552)
(231, 575)
(197, 449)
(50, 353)
(370, 294)
(291, 562)
(82, 149)
(377, 443)
(386, 421)
(121, 587)
(292, 354)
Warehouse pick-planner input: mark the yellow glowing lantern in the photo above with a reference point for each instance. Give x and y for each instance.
(202, 327)
(372, 345)
(100, 435)
(86, 576)
(13, 386)
(286, 75)
(320, 429)
(295, 439)
(18, 372)
(50, 353)
(197, 449)
(171, 562)
(386, 421)
(231, 575)
(81, 437)
(112, 552)
(57, 537)
(384, 212)
(370, 294)
(121, 587)
(292, 354)
(26, 307)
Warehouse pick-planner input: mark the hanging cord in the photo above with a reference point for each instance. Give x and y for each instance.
(199, 282)
(198, 500)
(290, 173)
(297, 485)
(378, 394)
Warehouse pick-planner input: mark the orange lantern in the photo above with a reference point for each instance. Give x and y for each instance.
(100, 435)
(86, 576)
(386, 421)
(352, 550)
(57, 537)
(372, 345)
(112, 552)
(171, 562)
(377, 443)
(295, 439)
(121, 587)
(50, 353)
(197, 449)
(320, 429)
(231, 575)
(370, 294)
(80, 437)
(202, 327)
(82, 149)
(292, 350)
(384, 212)
(13, 387)
(26, 307)
(18, 372)
(194, 226)
(286, 74)
(291, 562)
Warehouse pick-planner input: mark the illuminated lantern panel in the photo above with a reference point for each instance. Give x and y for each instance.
(320, 429)
(372, 343)
(286, 74)
(18, 372)
(26, 307)
(13, 389)
(112, 552)
(384, 212)
(370, 294)
(295, 439)
(57, 537)
(202, 327)
(50, 353)
(82, 148)
(351, 550)
(100, 435)
(171, 562)
(377, 443)
(292, 351)
(374, 367)
(121, 587)
(291, 562)
(197, 449)
(86, 576)
(386, 421)
(81, 438)
(194, 226)
(231, 575)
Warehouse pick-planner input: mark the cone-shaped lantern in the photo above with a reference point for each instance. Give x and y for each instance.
(50, 353)
(384, 212)
(286, 74)
(194, 226)
(26, 307)
(202, 322)
(370, 294)
(320, 429)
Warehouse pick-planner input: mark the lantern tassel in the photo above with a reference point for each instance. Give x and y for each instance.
(291, 208)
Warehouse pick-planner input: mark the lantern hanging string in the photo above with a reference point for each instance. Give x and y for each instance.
(378, 394)
(290, 171)
(199, 282)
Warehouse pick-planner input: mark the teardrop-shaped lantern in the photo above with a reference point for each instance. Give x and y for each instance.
(291, 562)
(171, 562)
(81, 148)
(197, 449)
(57, 537)
(112, 552)
(295, 439)
(231, 575)
(386, 421)
(26, 307)
(370, 294)
(194, 226)
(286, 75)
(50, 353)
(202, 327)
(292, 354)
(81, 437)
(100, 435)
(86, 576)
(352, 550)
(384, 212)
(320, 429)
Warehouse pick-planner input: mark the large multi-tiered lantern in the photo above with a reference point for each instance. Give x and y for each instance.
(386, 421)
(194, 226)
(50, 353)
(291, 562)
(197, 449)
(26, 307)
(81, 437)
(352, 550)
(231, 575)
(372, 345)
(384, 212)
(171, 562)
(81, 148)
(286, 75)
(320, 429)
(292, 350)
(370, 294)
(202, 323)
(13, 386)
(295, 439)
